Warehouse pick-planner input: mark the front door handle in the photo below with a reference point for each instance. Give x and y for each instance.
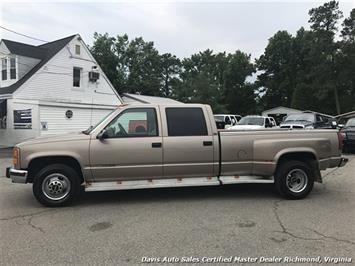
(156, 145)
(207, 143)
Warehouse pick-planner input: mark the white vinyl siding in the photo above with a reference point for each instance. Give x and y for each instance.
(54, 81)
(58, 123)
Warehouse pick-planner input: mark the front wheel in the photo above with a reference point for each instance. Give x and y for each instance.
(294, 179)
(56, 185)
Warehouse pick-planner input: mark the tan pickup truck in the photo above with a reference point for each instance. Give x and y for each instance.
(154, 146)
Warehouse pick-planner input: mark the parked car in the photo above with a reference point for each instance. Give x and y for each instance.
(229, 120)
(308, 120)
(154, 146)
(348, 132)
(254, 122)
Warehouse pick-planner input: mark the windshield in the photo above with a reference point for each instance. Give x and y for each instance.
(91, 128)
(300, 117)
(219, 117)
(350, 123)
(258, 121)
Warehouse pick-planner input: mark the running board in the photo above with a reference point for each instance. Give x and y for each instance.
(245, 180)
(152, 183)
(174, 182)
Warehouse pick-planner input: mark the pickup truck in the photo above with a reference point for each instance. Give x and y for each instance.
(154, 146)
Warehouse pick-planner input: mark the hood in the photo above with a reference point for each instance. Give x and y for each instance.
(348, 129)
(296, 124)
(241, 127)
(55, 138)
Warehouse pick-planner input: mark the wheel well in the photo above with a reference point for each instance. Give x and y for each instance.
(37, 164)
(306, 157)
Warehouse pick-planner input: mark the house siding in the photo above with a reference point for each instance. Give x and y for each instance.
(54, 81)
(58, 123)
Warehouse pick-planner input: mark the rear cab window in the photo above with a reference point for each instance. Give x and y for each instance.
(186, 121)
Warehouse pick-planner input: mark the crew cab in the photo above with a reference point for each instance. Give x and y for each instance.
(154, 146)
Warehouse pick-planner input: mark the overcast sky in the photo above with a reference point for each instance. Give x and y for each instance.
(181, 28)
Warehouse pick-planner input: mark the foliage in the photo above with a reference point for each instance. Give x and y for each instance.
(311, 70)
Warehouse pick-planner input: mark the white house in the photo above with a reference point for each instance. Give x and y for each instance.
(56, 87)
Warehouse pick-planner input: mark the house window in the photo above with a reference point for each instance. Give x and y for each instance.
(12, 68)
(3, 113)
(77, 49)
(76, 76)
(4, 68)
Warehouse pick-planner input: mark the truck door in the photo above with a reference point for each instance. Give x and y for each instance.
(131, 148)
(188, 146)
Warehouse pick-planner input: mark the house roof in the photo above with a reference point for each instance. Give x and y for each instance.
(281, 107)
(43, 52)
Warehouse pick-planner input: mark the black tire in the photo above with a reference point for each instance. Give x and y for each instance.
(61, 176)
(291, 175)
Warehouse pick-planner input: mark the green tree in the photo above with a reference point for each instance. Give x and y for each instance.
(171, 69)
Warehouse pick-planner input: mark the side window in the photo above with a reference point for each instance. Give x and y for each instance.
(137, 122)
(319, 119)
(4, 68)
(76, 76)
(188, 121)
(227, 120)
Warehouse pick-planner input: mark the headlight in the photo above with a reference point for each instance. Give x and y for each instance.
(16, 158)
(309, 127)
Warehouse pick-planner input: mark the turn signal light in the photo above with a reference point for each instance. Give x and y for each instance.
(16, 157)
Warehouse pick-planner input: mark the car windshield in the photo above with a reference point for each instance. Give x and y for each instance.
(258, 121)
(219, 117)
(300, 117)
(91, 128)
(350, 123)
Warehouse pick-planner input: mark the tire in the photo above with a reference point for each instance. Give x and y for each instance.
(56, 185)
(294, 179)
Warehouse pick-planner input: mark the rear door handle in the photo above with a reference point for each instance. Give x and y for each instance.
(207, 143)
(156, 145)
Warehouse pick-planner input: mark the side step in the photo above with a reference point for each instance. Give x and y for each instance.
(152, 183)
(175, 182)
(246, 180)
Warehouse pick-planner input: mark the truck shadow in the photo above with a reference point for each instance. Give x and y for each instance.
(228, 192)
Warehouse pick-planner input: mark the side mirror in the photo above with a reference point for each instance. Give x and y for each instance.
(102, 135)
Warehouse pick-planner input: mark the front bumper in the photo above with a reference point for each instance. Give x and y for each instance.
(17, 176)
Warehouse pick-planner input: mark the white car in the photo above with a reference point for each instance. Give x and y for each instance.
(254, 122)
(228, 119)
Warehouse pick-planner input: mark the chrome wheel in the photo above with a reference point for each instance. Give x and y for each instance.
(296, 180)
(56, 186)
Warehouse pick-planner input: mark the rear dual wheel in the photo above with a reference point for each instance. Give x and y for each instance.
(294, 179)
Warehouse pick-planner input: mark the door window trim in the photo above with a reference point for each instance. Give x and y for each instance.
(204, 119)
(128, 136)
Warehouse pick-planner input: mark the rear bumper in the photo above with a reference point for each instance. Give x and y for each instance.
(17, 176)
(343, 161)
(332, 162)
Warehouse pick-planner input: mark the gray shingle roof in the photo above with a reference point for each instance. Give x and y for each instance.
(43, 52)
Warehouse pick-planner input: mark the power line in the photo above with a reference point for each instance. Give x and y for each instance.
(24, 35)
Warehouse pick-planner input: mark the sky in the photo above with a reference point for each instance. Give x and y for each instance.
(178, 27)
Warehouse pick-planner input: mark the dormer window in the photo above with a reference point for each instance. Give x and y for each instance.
(12, 68)
(77, 49)
(4, 69)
